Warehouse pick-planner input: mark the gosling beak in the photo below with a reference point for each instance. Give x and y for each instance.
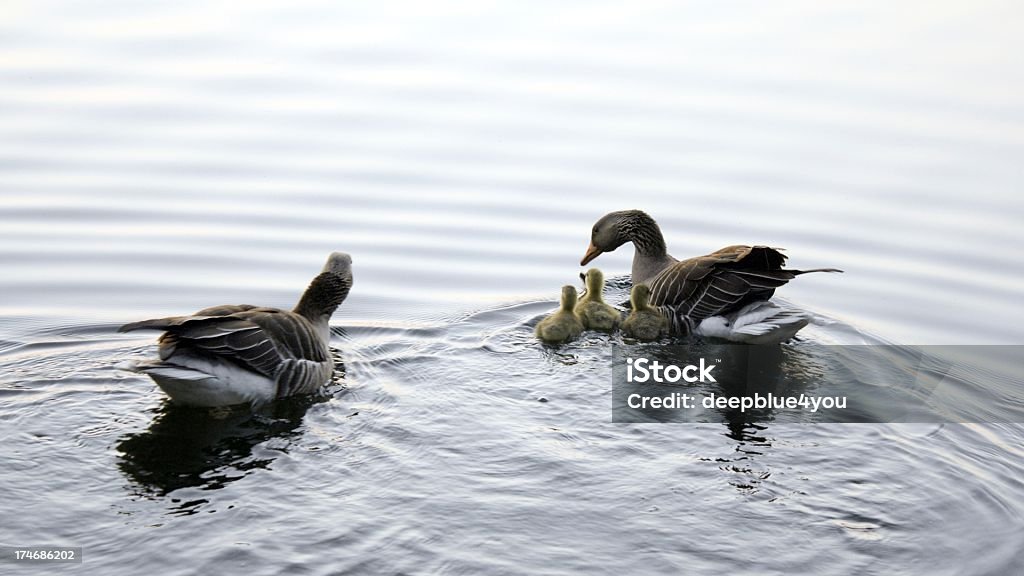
(592, 252)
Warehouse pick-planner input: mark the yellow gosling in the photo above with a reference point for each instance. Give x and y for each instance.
(593, 311)
(563, 324)
(645, 322)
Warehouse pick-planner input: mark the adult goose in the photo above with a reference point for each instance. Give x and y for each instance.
(237, 354)
(689, 291)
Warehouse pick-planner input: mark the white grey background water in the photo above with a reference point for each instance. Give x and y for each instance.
(155, 159)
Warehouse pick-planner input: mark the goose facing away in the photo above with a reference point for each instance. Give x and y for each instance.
(592, 310)
(563, 324)
(698, 288)
(236, 354)
(645, 323)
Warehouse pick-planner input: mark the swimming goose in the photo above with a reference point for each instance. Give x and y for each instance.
(592, 309)
(698, 288)
(563, 324)
(645, 322)
(237, 354)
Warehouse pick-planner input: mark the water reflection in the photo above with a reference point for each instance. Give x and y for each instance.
(752, 442)
(206, 448)
(186, 447)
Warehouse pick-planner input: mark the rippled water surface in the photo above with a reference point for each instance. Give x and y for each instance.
(157, 159)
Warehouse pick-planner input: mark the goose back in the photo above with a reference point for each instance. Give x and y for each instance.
(725, 280)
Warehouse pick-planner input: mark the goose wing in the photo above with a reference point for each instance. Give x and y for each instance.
(721, 281)
(262, 340)
(225, 309)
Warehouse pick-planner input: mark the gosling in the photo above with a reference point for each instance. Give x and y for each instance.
(563, 324)
(592, 309)
(645, 322)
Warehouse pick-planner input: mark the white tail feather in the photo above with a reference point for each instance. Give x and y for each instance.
(761, 322)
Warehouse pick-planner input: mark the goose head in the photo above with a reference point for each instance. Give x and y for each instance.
(328, 290)
(616, 228)
(340, 264)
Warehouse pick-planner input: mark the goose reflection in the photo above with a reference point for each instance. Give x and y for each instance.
(186, 447)
(749, 464)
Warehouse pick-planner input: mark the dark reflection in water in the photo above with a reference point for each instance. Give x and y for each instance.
(186, 447)
(752, 442)
(193, 447)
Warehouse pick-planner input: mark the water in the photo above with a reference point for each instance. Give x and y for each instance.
(156, 159)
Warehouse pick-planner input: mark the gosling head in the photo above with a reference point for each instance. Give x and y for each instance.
(639, 297)
(615, 229)
(568, 298)
(595, 282)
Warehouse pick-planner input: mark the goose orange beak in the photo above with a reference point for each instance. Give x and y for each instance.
(592, 252)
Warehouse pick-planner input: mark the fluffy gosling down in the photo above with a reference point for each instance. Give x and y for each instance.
(563, 324)
(240, 354)
(645, 322)
(593, 311)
